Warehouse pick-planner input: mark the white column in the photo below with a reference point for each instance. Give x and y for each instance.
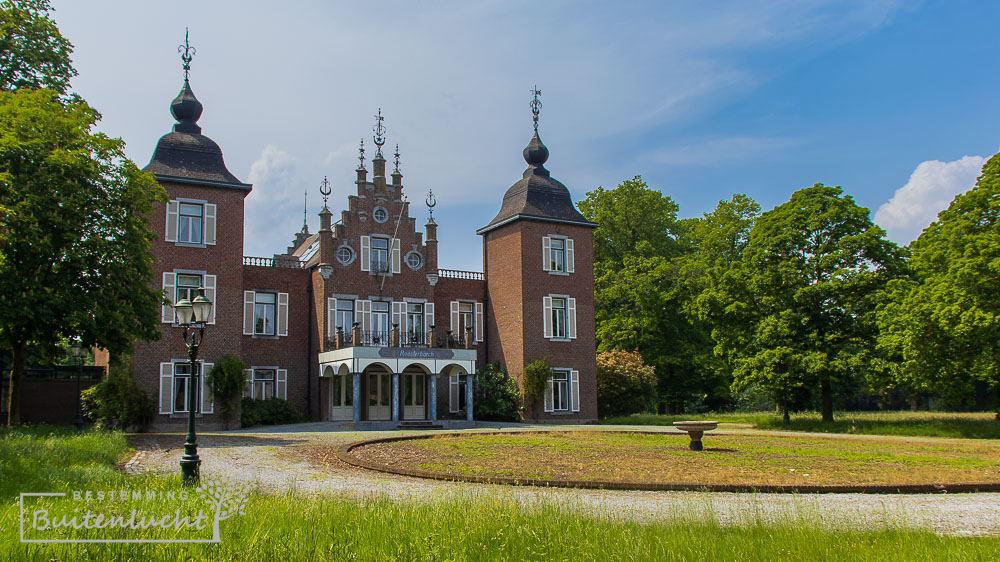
(468, 397)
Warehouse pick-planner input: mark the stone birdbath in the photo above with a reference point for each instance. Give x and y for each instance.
(695, 429)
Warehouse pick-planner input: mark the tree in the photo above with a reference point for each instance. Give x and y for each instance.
(496, 395)
(944, 321)
(33, 54)
(76, 259)
(228, 382)
(625, 384)
(799, 307)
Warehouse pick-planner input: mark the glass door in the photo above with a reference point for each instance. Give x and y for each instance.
(413, 396)
(379, 396)
(342, 397)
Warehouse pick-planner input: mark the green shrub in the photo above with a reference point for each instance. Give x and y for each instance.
(535, 377)
(272, 411)
(625, 384)
(228, 383)
(496, 396)
(117, 401)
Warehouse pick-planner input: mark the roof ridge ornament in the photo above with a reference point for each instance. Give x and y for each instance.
(396, 155)
(361, 157)
(379, 130)
(187, 53)
(536, 106)
(431, 203)
(324, 190)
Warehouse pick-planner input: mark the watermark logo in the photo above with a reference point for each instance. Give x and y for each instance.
(131, 516)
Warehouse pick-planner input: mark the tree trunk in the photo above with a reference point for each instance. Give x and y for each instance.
(785, 418)
(16, 374)
(826, 394)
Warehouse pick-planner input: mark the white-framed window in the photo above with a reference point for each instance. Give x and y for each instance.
(415, 323)
(559, 317)
(380, 254)
(176, 383)
(464, 315)
(344, 315)
(456, 393)
(265, 313)
(345, 254)
(558, 254)
(380, 329)
(562, 393)
(414, 260)
(266, 382)
(191, 222)
(180, 284)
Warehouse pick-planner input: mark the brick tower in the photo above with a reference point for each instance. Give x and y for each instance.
(538, 260)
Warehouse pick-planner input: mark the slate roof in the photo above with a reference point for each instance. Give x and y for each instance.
(187, 156)
(537, 196)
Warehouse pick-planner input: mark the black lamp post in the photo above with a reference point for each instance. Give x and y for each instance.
(78, 351)
(192, 315)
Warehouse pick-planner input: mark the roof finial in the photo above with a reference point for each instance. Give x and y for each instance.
(324, 189)
(431, 202)
(397, 157)
(187, 53)
(362, 151)
(305, 210)
(536, 106)
(379, 130)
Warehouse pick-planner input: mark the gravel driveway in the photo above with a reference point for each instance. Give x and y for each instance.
(301, 459)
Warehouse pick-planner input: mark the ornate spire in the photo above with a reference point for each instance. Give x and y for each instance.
(536, 106)
(396, 159)
(361, 157)
(324, 190)
(305, 210)
(431, 203)
(187, 53)
(379, 130)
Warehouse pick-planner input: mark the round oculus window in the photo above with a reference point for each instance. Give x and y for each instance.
(380, 214)
(414, 260)
(345, 255)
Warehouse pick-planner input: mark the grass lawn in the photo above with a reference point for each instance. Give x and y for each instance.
(333, 527)
(977, 425)
(727, 459)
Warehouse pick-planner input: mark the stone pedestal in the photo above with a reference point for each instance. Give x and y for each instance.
(695, 430)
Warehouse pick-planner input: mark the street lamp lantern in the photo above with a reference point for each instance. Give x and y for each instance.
(192, 317)
(78, 352)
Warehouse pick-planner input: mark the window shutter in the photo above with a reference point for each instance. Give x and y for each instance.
(395, 255)
(331, 322)
(170, 290)
(248, 385)
(428, 321)
(570, 268)
(455, 323)
(362, 314)
(479, 321)
(281, 386)
(173, 208)
(366, 253)
(248, 305)
(397, 313)
(574, 390)
(547, 401)
(210, 211)
(452, 393)
(210, 293)
(547, 316)
(546, 253)
(282, 314)
(207, 398)
(571, 318)
(166, 388)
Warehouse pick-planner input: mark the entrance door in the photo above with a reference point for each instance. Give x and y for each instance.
(413, 396)
(379, 396)
(342, 397)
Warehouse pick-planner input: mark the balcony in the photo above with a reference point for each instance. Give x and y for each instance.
(433, 338)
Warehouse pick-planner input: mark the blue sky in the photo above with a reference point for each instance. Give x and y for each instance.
(895, 101)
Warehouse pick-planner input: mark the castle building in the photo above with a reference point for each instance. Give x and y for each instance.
(356, 322)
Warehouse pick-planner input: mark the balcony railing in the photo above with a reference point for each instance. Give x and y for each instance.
(397, 338)
(288, 263)
(456, 274)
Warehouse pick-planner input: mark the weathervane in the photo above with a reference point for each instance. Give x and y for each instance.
(397, 157)
(324, 189)
(187, 53)
(305, 209)
(431, 202)
(536, 106)
(362, 156)
(379, 130)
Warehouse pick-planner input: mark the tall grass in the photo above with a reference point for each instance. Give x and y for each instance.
(979, 425)
(328, 527)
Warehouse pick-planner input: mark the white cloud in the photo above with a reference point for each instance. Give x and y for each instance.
(274, 207)
(931, 188)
